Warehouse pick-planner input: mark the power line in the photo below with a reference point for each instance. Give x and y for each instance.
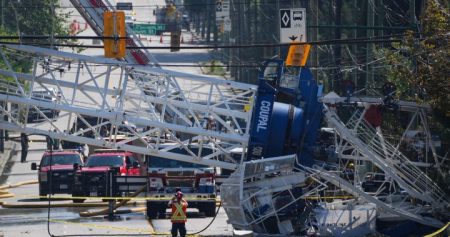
(157, 5)
(251, 65)
(384, 39)
(110, 37)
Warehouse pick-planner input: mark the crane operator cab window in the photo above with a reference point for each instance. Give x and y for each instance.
(271, 73)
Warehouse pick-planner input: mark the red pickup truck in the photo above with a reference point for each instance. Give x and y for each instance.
(91, 179)
(59, 165)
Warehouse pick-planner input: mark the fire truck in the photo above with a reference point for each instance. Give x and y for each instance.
(91, 179)
(197, 182)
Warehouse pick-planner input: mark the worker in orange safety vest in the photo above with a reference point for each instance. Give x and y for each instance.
(179, 206)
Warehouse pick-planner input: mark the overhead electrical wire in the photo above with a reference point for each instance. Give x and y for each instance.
(260, 45)
(324, 65)
(243, 2)
(111, 37)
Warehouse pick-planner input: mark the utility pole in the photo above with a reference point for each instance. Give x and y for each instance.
(239, 39)
(369, 46)
(197, 21)
(3, 17)
(215, 30)
(355, 35)
(313, 14)
(277, 10)
(412, 11)
(337, 47)
(203, 21)
(208, 17)
(233, 35)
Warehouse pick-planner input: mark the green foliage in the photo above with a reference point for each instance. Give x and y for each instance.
(213, 67)
(32, 18)
(18, 65)
(196, 6)
(419, 65)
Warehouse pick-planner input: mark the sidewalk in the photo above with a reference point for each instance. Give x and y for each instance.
(10, 150)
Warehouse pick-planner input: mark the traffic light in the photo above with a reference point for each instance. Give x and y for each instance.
(114, 26)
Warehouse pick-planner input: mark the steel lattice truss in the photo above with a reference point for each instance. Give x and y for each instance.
(358, 141)
(125, 96)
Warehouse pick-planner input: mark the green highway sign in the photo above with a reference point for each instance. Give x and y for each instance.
(124, 6)
(148, 29)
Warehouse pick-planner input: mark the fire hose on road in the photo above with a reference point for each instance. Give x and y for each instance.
(107, 210)
(3, 187)
(4, 192)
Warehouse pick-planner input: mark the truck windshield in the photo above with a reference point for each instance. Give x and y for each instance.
(58, 159)
(111, 161)
(157, 162)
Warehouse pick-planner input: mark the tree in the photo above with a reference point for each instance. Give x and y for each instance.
(419, 65)
(197, 11)
(34, 17)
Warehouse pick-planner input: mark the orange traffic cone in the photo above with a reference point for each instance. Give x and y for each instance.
(160, 39)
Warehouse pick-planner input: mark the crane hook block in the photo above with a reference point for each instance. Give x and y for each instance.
(115, 34)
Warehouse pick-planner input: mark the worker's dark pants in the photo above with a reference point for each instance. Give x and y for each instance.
(24, 154)
(178, 227)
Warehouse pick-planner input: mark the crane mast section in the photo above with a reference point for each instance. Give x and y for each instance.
(91, 87)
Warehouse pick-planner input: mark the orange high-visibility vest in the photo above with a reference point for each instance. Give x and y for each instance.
(179, 212)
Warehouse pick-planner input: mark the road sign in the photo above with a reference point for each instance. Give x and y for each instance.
(219, 6)
(224, 25)
(222, 9)
(148, 29)
(297, 55)
(292, 25)
(114, 26)
(227, 24)
(124, 6)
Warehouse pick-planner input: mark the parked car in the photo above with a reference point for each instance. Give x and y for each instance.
(129, 18)
(49, 95)
(59, 165)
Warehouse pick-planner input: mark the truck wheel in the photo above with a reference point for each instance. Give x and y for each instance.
(209, 209)
(41, 195)
(152, 211)
(162, 211)
(78, 200)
